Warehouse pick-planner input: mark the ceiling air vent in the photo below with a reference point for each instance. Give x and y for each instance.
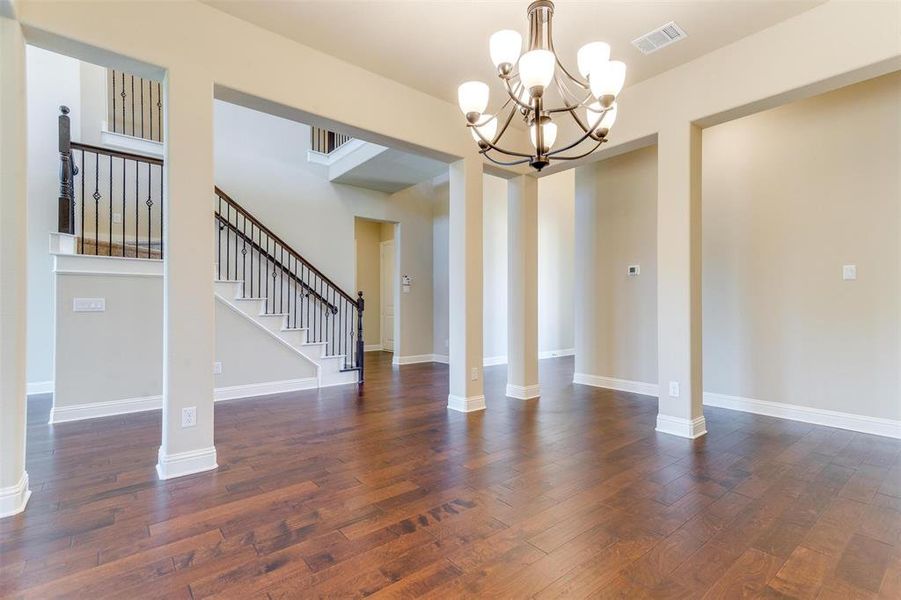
(660, 37)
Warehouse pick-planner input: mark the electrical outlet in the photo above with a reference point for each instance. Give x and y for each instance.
(117, 217)
(849, 272)
(674, 389)
(189, 416)
(217, 368)
(475, 373)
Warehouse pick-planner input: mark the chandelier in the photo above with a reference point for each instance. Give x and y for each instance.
(538, 75)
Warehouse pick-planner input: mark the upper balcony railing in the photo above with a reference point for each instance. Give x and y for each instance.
(135, 106)
(324, 141)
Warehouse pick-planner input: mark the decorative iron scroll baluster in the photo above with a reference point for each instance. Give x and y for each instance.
(287, 283)
(129, 113)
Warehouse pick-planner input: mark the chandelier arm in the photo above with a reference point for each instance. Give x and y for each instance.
(578, 120)
(577, 157)
(505, 164)
(584, 137)
(492, 146)
(503, 129)
(514, 98)
(550, 34)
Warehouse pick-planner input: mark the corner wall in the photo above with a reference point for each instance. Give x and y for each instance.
(790, 195)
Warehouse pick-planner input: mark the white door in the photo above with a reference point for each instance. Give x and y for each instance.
(387, 285)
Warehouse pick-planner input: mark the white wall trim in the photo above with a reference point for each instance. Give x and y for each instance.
(111, 408)
(556, 353)
(169, 466)
(414, 359)
(14, 498)
(687, 428)
(521, 392)
(130, 143)
(817, 416)
(39, 387)
(89, 264)
(793, 412)
(441, 358)
(250, 390)
(461, 404)
(372, 348)
(611, 383)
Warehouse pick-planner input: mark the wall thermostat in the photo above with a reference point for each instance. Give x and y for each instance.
(634, 270)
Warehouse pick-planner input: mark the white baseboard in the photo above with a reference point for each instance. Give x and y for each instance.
(264, 389)
(180, 464)
(462, 404)
(521, 392)
(556, 353)
(817, 416)
(39, 387)
(610, 383)
(372, 348)
(687, 428)
(441, 358)
(414, 359)
(793, 412)
(14, 498)
(111, 408)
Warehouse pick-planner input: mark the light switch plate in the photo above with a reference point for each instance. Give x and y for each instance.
(89, 304)
(674, 389)
(475, 373)
(849, 272)
(217, 368)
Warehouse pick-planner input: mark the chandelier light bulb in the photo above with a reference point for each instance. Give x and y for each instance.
(487, 126)
(549, 133)
(504, 47)
(591, 56)
(598, 120)
(608, 79)
(536, 70)
(473, 99)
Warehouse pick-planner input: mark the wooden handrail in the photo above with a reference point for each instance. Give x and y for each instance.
(275, 262)
(117, 153)
(277, 239)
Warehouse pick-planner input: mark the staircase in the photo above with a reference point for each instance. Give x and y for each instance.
(111, 201)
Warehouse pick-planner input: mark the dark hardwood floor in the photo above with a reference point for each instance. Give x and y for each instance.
(334, 494)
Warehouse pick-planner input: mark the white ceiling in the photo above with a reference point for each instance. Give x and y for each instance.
(434, 45)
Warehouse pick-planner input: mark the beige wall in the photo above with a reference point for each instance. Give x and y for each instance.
(368, 277)
(789, 196)
(117, 354)
(620, 219)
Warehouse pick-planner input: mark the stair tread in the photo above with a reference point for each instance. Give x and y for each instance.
(273, 314)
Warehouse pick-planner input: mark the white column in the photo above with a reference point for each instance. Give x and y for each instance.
(522, 287)
(586, 281)
(188, 305)
(465, 283)
(14, 490)
(679, 359)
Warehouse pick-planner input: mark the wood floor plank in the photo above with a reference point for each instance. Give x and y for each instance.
(381, 491)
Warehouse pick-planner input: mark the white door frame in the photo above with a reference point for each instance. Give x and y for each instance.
(384, 294)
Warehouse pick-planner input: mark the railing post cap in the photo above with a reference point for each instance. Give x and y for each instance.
(64, 109)
(360, 294)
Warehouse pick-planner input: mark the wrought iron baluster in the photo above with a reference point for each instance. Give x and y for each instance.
(123, 208)
(81, 233)
(132, 106)
(109, 248)
(97, 197)
(149, 203)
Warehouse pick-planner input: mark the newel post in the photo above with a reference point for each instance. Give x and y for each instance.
(67, 171)
(360, 343)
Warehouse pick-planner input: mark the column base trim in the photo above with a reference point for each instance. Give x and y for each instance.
(523, 392)
(180, 464)
(461, 404)
(687, 428)
(14, 498)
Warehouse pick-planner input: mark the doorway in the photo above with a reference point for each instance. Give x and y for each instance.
(376, 276)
